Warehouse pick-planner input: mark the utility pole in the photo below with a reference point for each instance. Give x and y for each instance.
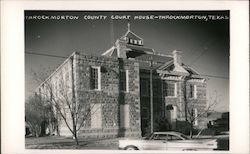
(185, 98)
(151, 95)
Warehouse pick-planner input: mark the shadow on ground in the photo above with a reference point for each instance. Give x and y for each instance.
(55, 142)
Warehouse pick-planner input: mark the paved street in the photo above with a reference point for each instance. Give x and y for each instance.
(55, 142)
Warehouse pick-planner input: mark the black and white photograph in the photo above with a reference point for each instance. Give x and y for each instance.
(128, 80)
(124, 76)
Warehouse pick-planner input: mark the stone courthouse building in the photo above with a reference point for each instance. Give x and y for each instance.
(118, 84)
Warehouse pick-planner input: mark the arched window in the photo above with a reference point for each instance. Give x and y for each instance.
(171, 112)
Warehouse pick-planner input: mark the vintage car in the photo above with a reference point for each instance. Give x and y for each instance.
(173, 141)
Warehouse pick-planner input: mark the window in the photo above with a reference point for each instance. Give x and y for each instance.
(124, 80)
(144, 87)
(95, 78)
(135, 41)
(160, 137)
(170, 89)
(140, 42)
(193, 91)
(124, 116)
(96, 115)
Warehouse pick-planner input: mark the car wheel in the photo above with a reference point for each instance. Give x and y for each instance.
(131, 148)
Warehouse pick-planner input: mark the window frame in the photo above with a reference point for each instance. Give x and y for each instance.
(126, 82)
(193, 91)
(166, 89)
(98, 78)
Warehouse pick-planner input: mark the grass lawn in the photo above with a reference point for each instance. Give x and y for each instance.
(58, 142)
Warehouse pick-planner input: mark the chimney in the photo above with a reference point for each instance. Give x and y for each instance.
(121, 49)
(177, 57)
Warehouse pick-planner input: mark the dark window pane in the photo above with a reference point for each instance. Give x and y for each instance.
(94, 78)
(123, 81)
(169, 89)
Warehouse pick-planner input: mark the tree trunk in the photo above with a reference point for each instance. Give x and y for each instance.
(37, 131)
(75, 133)
(191, 130)
(76, 139)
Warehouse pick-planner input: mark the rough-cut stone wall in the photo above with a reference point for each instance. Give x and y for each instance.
(200, 102)
(181, 99)
(109, 96)
(161, 101)
(76, 72)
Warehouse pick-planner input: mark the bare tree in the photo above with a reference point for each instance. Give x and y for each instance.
(37, 115)
(59, 91)
(195, 112)
(63, 103)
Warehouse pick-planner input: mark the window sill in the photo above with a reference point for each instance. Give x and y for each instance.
(193, 98)
(96, 89)
(170, 96)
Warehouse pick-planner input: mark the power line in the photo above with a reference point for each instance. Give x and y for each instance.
(205, 50)
(47, 55)
(57, 56)
(215, 76)
(197, 58)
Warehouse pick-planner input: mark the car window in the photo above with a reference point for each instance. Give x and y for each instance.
(173, 138)
(160, 137)
(184, 137)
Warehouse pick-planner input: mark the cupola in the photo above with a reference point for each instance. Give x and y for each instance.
(132, 38)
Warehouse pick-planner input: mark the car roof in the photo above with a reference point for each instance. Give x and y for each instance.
(171, 132)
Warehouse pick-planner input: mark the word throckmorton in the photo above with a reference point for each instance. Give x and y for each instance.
(56, 17)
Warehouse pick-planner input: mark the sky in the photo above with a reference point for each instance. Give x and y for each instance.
(202, 36)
